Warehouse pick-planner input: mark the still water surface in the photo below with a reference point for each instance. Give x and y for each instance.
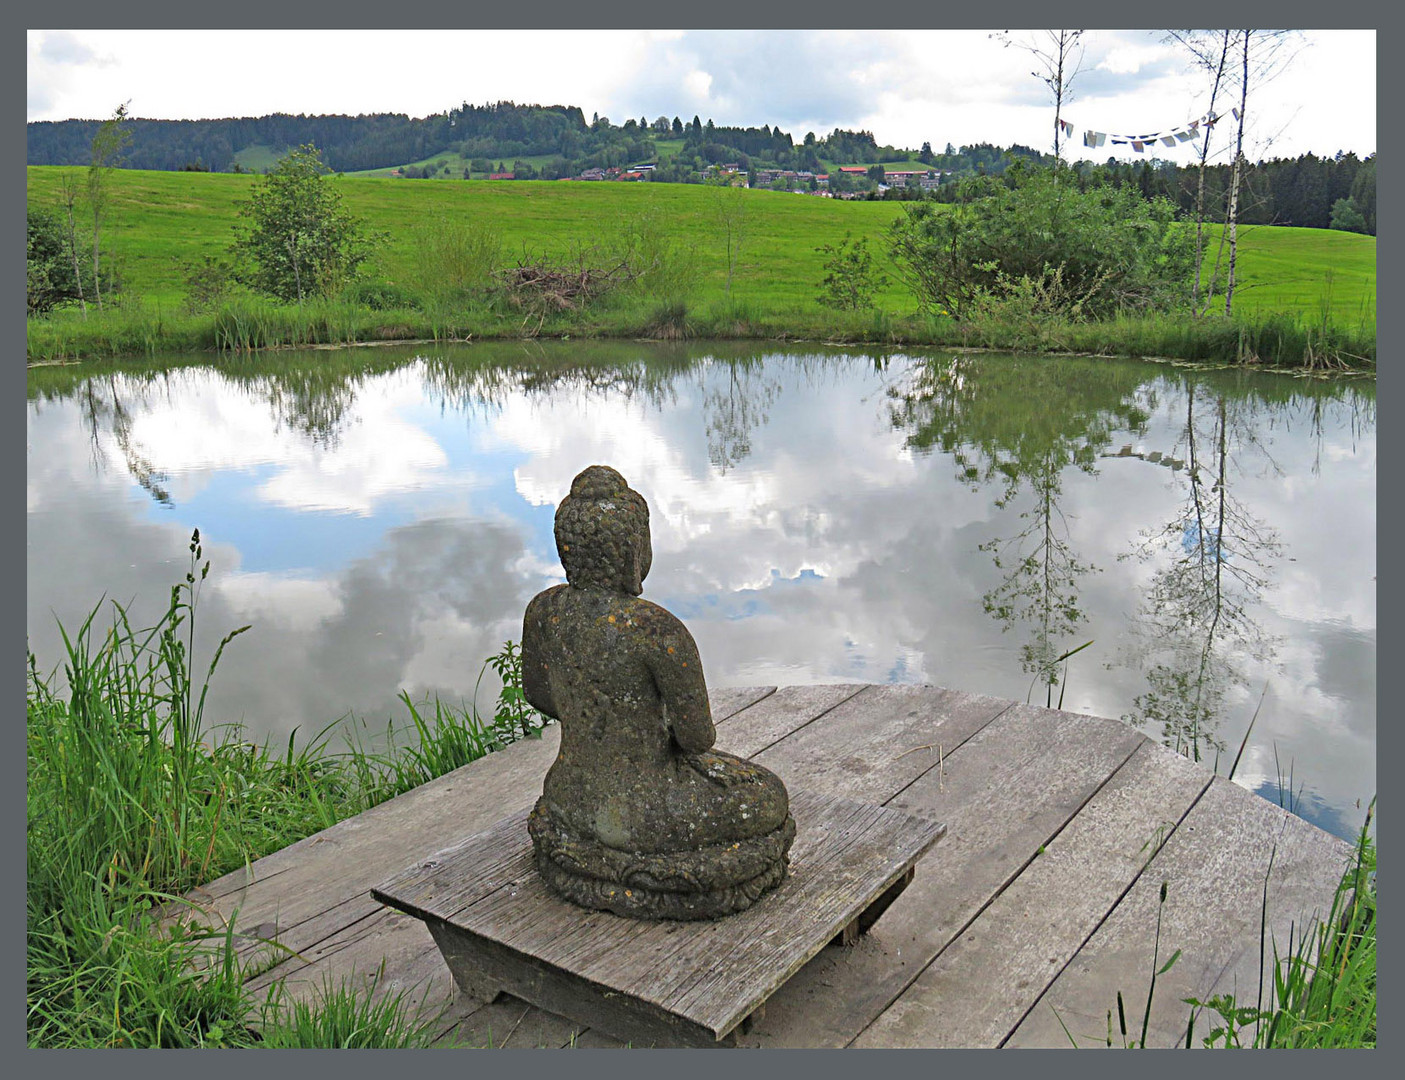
(382, 516)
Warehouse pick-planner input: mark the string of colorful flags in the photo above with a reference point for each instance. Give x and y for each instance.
(1183, 133)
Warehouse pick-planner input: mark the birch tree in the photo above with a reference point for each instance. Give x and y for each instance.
(106, 153)
(68, 200)
(1260, 55)
(1210, 50)
(1059, 54)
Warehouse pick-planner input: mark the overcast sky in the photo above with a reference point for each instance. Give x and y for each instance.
(907, 87)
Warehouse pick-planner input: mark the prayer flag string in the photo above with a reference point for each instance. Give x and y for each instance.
(1182, 133)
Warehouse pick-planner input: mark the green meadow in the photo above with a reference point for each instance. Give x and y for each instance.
(160, 220)
(159, 223)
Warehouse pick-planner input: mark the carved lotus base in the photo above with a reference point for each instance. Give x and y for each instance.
(699, 883)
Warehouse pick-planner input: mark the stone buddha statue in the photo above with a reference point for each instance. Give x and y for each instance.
(638, 815)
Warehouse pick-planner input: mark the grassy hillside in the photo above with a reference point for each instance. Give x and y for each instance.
(258, 158)
(160, 221)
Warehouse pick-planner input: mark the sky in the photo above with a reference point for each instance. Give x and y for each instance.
(906, 87)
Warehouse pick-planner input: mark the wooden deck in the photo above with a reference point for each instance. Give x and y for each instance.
(1037, 907)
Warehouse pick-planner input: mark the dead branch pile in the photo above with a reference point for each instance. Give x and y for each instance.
(545, 287)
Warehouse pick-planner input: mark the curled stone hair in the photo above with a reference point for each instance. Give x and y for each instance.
(602, 532)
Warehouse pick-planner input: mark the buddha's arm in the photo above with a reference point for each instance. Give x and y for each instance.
(678, 674)
(536, 683)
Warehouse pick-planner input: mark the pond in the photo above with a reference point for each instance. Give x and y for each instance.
(381, 516)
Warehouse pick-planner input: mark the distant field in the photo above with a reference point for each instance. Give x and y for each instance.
(161, 220)
(258, 158)
(456, 164)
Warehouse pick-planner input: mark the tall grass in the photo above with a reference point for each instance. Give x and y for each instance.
(1322, 988)
(133, 798)
(244, 324)
(339, 1018)
(1323, 991)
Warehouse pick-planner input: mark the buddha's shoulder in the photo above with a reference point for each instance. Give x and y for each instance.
(653, 616)
(546, 598)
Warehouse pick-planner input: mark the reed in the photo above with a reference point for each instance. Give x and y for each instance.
(1323, 991)
(133, 798)
(1321, 986)
(246, 324)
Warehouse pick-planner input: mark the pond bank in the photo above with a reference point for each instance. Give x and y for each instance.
(1274, 340)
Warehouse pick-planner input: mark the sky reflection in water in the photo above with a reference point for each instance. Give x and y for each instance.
(382, 517)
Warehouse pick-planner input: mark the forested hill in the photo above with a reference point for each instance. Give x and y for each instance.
(501, 131)
(348, 143)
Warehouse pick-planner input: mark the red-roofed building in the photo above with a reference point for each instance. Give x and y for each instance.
(501, 176)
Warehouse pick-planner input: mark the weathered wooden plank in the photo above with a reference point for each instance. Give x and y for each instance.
(875, 743)
(406, 946)
(726, 701)
(371, 953)
(471, 798)
(1004, 792)
(291, 938)
(1214, 866)
(448, 881)
(559, 991)
(749, 731)
(848, 863)
(676, 981)
(982, 984)
(352, 855)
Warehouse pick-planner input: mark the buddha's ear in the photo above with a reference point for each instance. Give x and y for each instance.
(645, 557)
(633, 578)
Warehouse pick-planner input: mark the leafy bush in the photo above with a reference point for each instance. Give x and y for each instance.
(1345, 215)
(1027, 313)
(662, 267)
(513, 718)
(300, 241)
(1115, 250)
(50, 276)
(850, 280)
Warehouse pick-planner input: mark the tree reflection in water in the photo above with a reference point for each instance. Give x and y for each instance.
(1020, 422)
(1193, 633)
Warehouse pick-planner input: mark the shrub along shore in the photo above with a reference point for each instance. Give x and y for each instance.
(494, 260)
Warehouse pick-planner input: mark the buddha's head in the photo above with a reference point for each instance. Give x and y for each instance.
(602, 533)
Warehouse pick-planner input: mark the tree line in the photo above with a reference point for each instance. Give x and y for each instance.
(1303, 191)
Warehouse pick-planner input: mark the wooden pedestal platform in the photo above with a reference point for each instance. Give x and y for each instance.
(658, 983)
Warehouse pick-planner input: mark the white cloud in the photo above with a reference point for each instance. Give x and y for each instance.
(1121, 62)
(379, 454)
(287, 602)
